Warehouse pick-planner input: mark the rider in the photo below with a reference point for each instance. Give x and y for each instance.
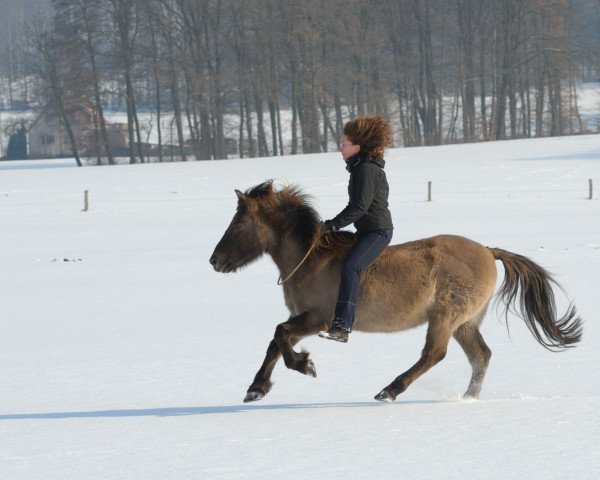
(363, 143)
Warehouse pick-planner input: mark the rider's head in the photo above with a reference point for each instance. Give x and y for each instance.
(373, 133)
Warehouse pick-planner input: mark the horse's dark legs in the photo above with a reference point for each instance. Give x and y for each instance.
(478, 353)
(436, 344)
(262, 380)
(291, 332)
(287, 334)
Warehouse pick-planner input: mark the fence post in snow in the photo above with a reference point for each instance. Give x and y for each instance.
(86, 204)
(591, 190)
(429, 191)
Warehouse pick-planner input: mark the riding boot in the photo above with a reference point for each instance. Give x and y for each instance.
(338, 334)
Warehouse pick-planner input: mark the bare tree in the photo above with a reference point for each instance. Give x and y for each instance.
(125, 16)
(80, 21)
(465, 70)
(54, 66)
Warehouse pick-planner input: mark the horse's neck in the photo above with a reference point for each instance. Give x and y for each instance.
(288, 254)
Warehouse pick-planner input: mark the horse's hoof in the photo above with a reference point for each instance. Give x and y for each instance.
(384, 396)
(310, 369)
(470, 397)
(253, 397)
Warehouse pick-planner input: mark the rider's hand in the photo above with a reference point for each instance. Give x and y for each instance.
(329, 227)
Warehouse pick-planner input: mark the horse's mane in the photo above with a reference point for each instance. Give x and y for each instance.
(294, 211)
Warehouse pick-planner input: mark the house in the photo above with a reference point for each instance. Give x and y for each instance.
(48, 136)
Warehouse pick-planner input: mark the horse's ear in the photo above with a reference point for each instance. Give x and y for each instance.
(241, 196)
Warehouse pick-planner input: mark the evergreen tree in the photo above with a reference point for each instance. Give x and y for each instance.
(17, 144)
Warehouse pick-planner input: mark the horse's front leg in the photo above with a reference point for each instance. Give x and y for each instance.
(287, 334)
(291, 332)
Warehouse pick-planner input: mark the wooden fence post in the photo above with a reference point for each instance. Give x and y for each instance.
(86, 204)
(429, 191)
(591, 189)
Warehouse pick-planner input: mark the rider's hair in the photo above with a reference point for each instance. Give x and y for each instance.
(372, 132)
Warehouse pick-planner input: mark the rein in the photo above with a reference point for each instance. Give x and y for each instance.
(312, 247)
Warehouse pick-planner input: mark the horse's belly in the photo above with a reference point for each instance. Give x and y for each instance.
(394, 310)
(389, 324)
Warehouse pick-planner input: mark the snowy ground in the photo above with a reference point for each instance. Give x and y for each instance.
(131, 359)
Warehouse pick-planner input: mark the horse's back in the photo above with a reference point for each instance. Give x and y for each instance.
(450, 259)
(445, 252)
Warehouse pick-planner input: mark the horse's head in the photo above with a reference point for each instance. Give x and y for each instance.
(247, 236)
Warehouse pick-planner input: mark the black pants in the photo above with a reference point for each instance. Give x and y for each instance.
(366, 250)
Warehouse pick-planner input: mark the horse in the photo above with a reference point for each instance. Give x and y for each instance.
(446, 281)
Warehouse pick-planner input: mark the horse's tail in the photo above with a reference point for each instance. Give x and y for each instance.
(536, 301)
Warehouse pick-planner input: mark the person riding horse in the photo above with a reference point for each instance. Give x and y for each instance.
(362, 147)
(445, 281)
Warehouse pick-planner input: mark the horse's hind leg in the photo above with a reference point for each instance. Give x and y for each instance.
(287, 334)
(436, 345)
(478, 353)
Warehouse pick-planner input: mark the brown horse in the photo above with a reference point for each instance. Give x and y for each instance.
(446, 281)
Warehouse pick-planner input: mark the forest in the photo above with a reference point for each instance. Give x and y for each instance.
(251, 78)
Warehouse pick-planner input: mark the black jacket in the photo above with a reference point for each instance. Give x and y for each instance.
(368, 190)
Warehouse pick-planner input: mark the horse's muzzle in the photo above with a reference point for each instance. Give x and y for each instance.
(215, 263)
(220, 265)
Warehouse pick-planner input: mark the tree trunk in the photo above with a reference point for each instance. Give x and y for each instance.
(157, 93)
(241, 127)
(67, 125)
(466, 17)
(96, 82)
(249, 129)
(294, 114)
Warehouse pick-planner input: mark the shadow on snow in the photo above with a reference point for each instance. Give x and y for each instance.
(591, 155)
(179, 411)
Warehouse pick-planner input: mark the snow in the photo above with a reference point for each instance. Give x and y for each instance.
(124, 355)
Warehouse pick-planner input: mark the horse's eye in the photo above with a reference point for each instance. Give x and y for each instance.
(238, 226)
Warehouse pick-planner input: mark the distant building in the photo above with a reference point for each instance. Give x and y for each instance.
(48, 136)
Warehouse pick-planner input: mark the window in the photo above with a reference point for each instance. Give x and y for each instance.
(47, 139)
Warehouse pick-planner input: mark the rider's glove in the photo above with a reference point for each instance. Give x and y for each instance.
(329, 226)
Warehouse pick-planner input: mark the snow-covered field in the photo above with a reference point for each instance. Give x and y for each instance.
(123, 355)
